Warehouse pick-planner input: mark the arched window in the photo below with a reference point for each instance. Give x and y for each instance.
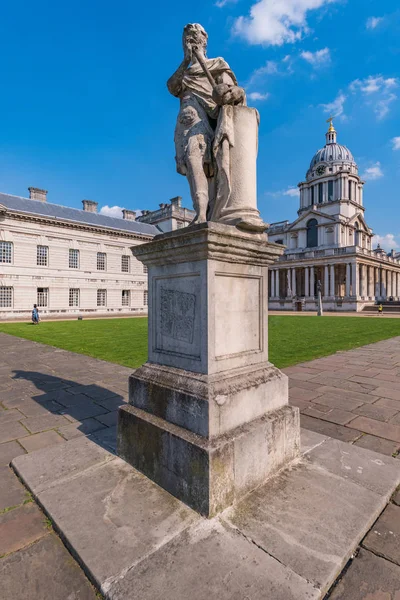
(312, 233)
(357, 234)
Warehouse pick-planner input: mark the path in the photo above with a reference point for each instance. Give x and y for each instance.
(47, 397)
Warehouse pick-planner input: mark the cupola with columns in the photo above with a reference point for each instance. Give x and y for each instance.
(332, 182)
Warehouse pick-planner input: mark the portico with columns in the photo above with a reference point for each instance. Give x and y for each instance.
(330, 242)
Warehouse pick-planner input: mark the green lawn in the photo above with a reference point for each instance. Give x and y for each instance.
(292, 339)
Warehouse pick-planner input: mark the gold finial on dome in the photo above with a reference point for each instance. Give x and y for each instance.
(331, 127)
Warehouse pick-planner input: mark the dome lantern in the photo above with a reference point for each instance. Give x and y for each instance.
(331, 133)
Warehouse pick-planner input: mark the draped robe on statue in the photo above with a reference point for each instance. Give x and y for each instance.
(207, 129)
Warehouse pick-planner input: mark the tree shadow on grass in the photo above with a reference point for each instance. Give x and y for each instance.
(90, 409)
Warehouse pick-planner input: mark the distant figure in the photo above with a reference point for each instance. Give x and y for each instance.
(380, 309)
(35, 315)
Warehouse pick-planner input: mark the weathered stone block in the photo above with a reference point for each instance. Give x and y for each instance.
(208, 474)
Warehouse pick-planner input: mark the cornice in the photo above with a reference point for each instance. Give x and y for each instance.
(75, 225)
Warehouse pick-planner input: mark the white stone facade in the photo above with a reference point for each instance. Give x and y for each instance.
(168, 217)
(330, 242)
(67, 261)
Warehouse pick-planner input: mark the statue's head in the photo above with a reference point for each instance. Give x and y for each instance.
(196, 35)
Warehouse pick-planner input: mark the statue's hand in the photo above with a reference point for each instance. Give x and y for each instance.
(188, 52)
(228, 94)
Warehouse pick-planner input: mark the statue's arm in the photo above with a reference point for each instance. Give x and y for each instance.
(174, 83)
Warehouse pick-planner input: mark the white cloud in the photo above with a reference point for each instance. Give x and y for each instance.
(270, 68)
(387, 242)
(276, 22)
(258, 97)
(292, 191)
(373, 22)
(111, 211)
(336, 107)
(317, 59)
(396, 143)
(378, 92)
(372, 172)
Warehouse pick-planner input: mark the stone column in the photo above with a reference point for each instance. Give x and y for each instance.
(371, 283)
(272, 284)
(389, 284)
(354, 280)
(277, 283)
(293, 282)
(348, 277)
(312, 282)
(332, 290)
(306, 282)
(326, 281)
(208, 417)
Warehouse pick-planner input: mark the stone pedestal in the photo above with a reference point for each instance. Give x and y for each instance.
(208, 416)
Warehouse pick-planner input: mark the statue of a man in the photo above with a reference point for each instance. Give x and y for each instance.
(205, 132)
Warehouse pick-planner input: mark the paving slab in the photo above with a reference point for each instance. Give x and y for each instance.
(329, 429)
(43, 423)
(288, 539)
(12, 431)
(7, 416)
(211, 561)
(41, 440)
(113, 516)
(12, 492)
(80, 428)
(44, 570)
(8, 451)
(308, 520)
(371, 442)
(369, 577)
(384, 537)
(20, 527)
(368, 469)
(384, 430)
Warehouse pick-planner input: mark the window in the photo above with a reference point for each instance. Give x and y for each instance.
(6, 296)
(320, 193)
(356, 234)
(145, 298)
(5, 252)
(101, 297)
(101, 261)
(42, 297)
(145, 269)
(73, 258)
(350, 190)
(125, 263)
(279, 242)
(73, 297)
(312, 194)
(330, 190)
(312, 233)
(42, 257)
(126, 295)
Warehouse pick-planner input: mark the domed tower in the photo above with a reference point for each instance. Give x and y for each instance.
(332, 184)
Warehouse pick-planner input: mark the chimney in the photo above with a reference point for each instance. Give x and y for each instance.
(37, 194)
(128, 215)
(89, 206)
(177, 201)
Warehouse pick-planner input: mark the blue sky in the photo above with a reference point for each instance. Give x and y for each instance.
(85, 112)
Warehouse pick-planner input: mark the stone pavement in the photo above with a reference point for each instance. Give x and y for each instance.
(49, 396)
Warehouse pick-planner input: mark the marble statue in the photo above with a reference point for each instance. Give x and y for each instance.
(215, 136)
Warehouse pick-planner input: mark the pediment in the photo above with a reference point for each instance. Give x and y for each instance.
(321, 217)
(359, 217)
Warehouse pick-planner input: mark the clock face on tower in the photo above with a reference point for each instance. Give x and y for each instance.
(321, 169)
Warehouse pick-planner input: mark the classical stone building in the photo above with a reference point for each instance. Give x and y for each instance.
(330, 242)
(169, 216)
(69, 261)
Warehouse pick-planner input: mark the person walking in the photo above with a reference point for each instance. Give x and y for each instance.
(380, 309)
(35, 315)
